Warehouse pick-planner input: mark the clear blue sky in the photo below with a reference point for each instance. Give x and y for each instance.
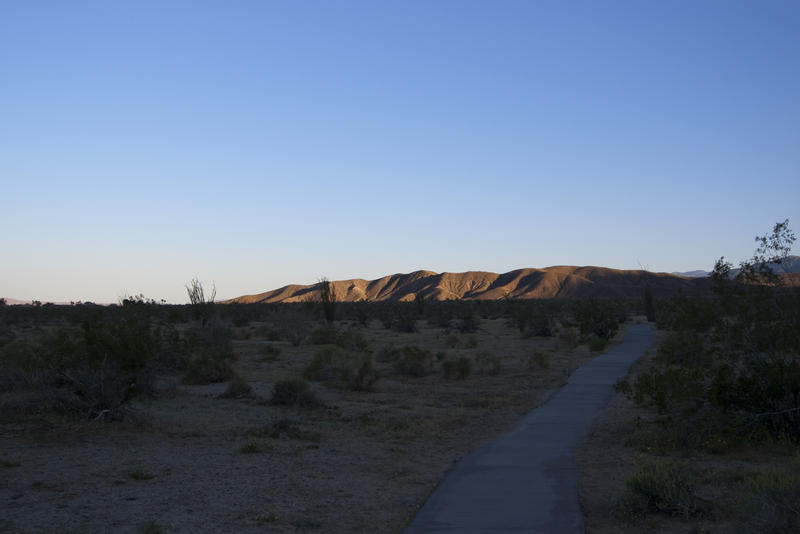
(261, 143)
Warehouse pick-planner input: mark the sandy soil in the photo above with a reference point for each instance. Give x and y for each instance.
(364, 463)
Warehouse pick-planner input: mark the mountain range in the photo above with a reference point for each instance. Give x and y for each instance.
(790, 265)
(550, 282)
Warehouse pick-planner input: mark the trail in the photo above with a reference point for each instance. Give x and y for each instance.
(527, 480)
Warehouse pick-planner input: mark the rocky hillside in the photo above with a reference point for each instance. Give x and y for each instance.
(550, 282)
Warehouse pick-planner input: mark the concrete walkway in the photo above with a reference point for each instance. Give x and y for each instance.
(527, 480)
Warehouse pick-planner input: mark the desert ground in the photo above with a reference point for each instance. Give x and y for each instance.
(188, 459)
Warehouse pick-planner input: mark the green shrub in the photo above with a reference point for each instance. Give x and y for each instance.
(567, 338)
(293, 391)
(362, 375)
(269, 353)
(213, 332)
(487, 363)
(138, 474)
(469, 320)
(95, 370)
(683, 347)
(150, 527)
(451, 341)
(538, 359)
(771, 503)
(457, 369)
(413, 361)
(353, 371)
(324, 365)
(238, 388)
(406, 320)
(208, 365)
(664, 486)
(255, 447)
(539, 325)
(323, 335)
(598, 318)
(349, 339)
(597, 344)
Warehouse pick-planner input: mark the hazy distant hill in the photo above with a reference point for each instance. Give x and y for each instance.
(790, 265)
(694, 274)
(550, 282)
(12, 302)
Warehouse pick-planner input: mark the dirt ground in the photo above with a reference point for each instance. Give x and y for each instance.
(195, 462)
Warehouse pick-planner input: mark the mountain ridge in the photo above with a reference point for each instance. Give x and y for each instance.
(560, 281)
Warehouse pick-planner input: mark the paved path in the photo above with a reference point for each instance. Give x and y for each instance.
(527, 480)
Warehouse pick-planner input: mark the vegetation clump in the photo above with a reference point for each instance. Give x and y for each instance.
(293, 391)
(458, 369)
(352, 371)
(487, 363)
(665, 486)
(734, 356)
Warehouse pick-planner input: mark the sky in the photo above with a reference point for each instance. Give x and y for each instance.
(253, 144)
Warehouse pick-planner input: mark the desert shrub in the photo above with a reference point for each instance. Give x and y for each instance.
(272, 335)
(353, 371)
(598, 318)
(256, 447)
(94, 370)
(283, 428)
(386, 317)
(472, 342)
(597, 344)
(567, 338)
(237, 388)
(212, 332)
(685, 347)
(269, 353)
(539, 325)
(440, 355)
(413, 361)
(351, 339)
(451, 341)
(457, 369)
(406, 320)
(362, 374)
(293, 391)
(734, 355)
(208, 365)
(469, 320)
(663, 486)
(441, 317)
(324, 365)
(487, 363)
(770, 503)
(538, 359)
(346, 339)
(323, 335)
(361, 313)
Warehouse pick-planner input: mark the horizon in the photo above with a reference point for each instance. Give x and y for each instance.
(256, 145)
